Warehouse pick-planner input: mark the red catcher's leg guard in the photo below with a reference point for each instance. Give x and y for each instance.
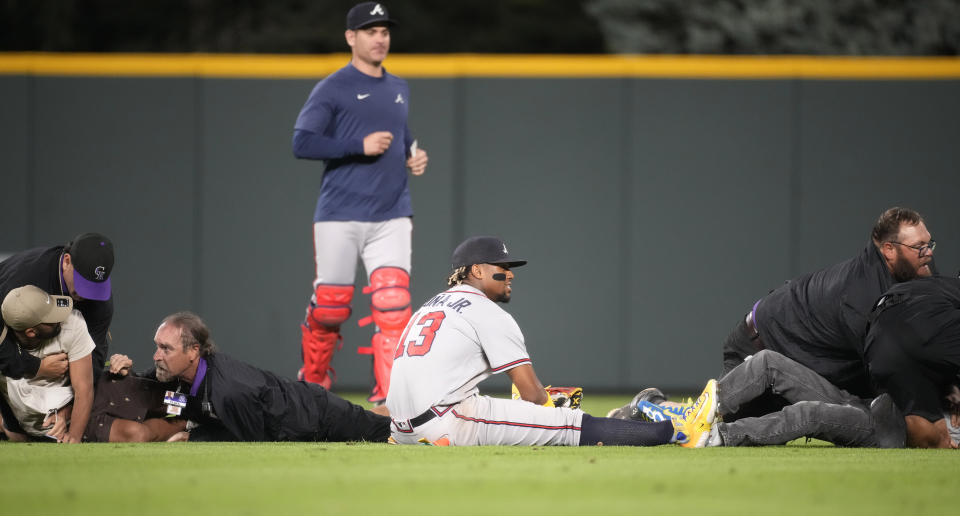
(390, 308)
(320, 332)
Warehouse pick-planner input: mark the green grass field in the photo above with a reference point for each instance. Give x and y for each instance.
(334, 478)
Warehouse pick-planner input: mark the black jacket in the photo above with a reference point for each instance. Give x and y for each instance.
(820, 319)
(41, 267)
(912, 347)
(239, 402)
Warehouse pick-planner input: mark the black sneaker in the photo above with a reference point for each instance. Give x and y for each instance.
(630, 411)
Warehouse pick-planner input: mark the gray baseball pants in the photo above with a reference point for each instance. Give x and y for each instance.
(337, 245)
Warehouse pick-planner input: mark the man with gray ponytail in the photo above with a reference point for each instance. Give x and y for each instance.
(225, 399)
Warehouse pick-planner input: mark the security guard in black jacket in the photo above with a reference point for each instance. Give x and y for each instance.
(81, 269)
(820, 319)
(912, 351)
(225, 399)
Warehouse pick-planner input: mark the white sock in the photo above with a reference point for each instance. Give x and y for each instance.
(715, 439)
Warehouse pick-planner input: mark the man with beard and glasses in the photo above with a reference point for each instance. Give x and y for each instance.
(912, 352)
(43, 324)
(224, 399)
(820, 320)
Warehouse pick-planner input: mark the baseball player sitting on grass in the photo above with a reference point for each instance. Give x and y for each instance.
(460, 337)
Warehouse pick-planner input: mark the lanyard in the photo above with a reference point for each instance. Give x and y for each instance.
(198, 379)
(63, 283)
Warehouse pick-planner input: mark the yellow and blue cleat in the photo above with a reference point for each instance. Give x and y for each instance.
(647, 411)
(693, 429)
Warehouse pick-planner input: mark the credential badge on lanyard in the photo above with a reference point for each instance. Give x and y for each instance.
(175, 401)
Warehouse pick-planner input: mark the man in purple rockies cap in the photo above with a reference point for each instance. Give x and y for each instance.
(81, 269)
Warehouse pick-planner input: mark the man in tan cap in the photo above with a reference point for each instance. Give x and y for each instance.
(43, 324)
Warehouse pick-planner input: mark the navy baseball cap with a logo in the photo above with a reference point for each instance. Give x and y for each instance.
(367, 14)
(92, 258)
(483, 249)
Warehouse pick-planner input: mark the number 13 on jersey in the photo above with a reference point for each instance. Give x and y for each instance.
(423, 331)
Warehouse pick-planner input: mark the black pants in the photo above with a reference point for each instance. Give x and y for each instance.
(740, 344)
(344, 421)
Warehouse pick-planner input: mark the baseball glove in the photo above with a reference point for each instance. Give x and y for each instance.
(568, 397)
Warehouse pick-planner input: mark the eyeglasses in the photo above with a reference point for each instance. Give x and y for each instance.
(921, 249)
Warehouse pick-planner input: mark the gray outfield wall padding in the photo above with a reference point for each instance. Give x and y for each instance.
(653, 212)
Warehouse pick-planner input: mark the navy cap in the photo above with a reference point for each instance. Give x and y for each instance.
(483, 249)
(366, 14)
(92, 258)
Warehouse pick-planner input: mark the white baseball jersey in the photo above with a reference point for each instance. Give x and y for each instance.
(452, 343)
(31, 399)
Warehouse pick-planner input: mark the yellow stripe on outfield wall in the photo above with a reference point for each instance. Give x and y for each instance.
(269, 66)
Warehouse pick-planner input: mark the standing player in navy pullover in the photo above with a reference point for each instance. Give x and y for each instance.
(356, 121)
